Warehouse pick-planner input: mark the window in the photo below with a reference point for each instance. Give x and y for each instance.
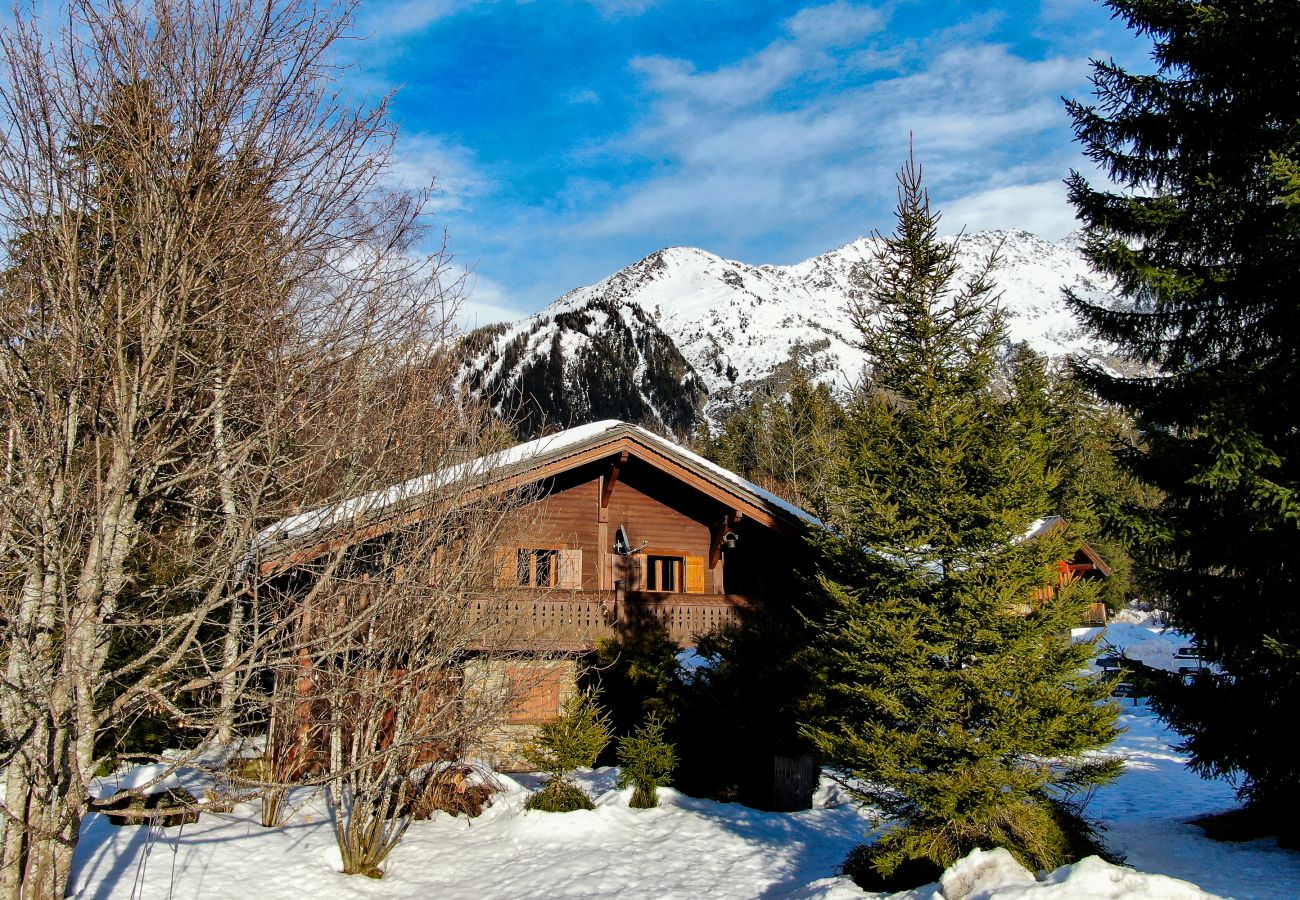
(536, 568)
(667, 574)
(539, 567)
(663, 573)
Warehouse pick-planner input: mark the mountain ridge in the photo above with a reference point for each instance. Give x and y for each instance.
(683, 334)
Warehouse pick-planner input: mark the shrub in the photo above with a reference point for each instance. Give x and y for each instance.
(638, 674)
(647, 760)
(861, 865)
(458, 789)
(569, 742)
(559, 796)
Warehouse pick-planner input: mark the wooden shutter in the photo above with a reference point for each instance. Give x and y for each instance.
(534, 694)
(635, 572)
(570, 569)
(611, 571)
(508, 567)
(695, 574)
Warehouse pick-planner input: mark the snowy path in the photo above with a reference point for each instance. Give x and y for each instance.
(1147, 810)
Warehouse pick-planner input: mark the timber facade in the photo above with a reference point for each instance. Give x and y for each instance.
(624, 531)
(629, 529)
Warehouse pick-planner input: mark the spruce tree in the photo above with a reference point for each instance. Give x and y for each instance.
(647, 761)
(571, 741)
(948, 691)
(1080, 436)
(1201, 232)
(783, 439)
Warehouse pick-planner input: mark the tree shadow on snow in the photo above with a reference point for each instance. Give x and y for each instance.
(809, 843)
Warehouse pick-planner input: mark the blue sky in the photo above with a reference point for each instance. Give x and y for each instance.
(569, 139)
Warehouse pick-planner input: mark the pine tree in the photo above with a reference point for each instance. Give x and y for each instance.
(946, 692)
(570, 741)
(647, 759)
(784, 438)
(1202, 234)
(1080, 437)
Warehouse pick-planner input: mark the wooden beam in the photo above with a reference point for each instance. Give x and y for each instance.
(607, 487)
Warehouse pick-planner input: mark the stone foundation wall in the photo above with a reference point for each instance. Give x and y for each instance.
(530, 691)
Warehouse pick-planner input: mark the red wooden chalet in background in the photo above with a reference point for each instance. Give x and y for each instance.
(626, 529)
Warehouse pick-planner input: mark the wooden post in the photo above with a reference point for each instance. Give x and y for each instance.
(794, 779)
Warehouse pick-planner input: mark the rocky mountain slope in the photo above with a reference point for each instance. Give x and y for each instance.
(684, 334)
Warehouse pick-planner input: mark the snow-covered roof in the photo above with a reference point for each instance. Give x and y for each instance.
(1040, 527)
(510, 462)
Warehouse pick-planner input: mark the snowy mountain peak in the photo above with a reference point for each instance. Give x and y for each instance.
(722, 328)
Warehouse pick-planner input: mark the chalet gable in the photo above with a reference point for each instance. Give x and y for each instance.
(298, 538)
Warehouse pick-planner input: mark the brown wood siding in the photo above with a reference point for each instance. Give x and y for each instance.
(669, 516)
(666, 530)
(567, 517)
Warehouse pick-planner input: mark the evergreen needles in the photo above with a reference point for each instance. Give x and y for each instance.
(570, 741)
(1203, 237)
(946, 687)
(647, 759)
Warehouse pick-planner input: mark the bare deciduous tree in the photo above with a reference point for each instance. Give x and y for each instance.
(401, 648)
(206, 298)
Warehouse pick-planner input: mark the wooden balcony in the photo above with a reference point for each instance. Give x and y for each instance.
(575, 620)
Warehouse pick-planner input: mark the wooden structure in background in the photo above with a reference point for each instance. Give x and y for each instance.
(629, 529)
(1086, 563)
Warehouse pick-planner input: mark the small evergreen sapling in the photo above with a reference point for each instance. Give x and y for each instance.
(570, 742)
(647, 759)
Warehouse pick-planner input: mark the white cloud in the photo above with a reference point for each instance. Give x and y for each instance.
(741, 166)
(756, 77)
(1040, 208)
(393, 19)
(752, 79)
(835, 24)
(420, 159)
(485, 302)
(618, 9)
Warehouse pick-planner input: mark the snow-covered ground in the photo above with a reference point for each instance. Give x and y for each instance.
(690, 847)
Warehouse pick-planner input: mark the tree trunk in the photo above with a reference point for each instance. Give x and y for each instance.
(230, 681)
(41, 838)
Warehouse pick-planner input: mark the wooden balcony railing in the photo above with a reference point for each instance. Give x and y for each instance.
(575, 620)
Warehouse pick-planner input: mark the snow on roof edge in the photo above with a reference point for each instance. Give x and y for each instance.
(366, 505)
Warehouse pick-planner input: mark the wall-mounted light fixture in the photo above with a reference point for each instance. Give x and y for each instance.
(729, 540)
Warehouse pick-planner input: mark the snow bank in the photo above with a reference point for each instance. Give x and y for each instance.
(989, 874)
(1150, 644)
(690, 847)
(986, 874)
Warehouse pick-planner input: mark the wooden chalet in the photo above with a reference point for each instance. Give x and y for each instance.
(1086, 563)
(630, 528)
(625, 529)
